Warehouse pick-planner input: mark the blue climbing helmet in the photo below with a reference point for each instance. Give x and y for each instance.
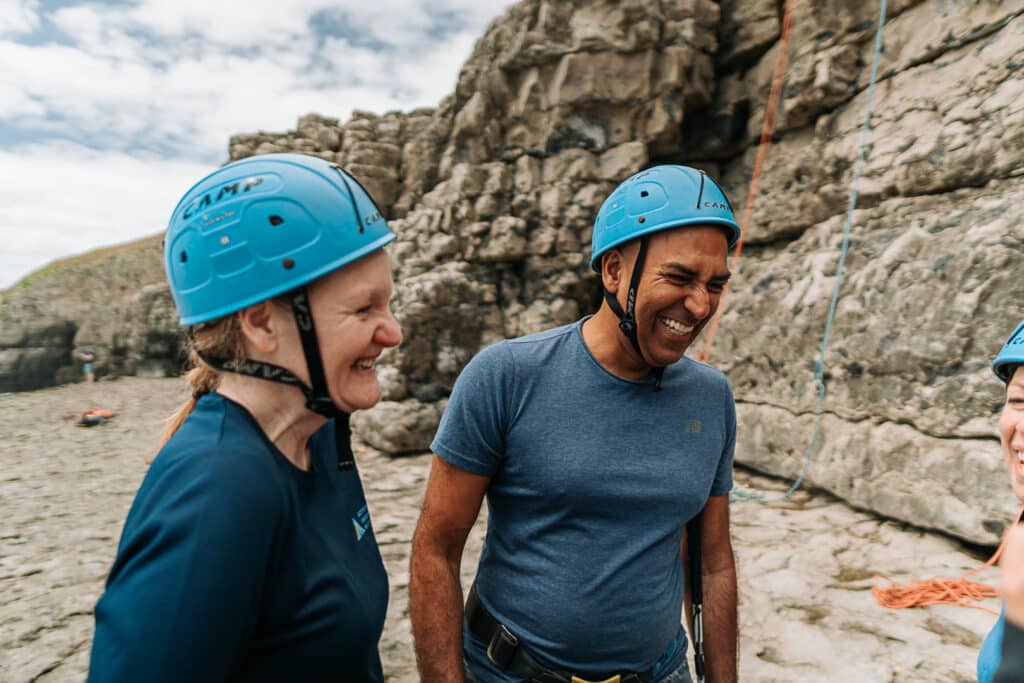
(1010, 355)
(262, 226)
(660, 198)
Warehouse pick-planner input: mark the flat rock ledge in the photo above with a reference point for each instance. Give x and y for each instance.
(805, 566)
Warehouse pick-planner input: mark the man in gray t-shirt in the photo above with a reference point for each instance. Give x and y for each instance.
(595, 444)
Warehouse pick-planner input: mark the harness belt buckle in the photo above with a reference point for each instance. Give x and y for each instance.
(502, 647)
(617, 678)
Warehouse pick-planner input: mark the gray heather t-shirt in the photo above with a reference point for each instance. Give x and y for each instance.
(593, 480)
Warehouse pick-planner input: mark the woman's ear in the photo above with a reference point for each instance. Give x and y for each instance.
(261, 326)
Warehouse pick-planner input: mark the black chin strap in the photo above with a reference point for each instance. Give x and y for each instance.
(318, 399)
(627, 318)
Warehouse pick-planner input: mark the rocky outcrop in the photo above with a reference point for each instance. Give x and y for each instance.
(493, 193)
(115, 300)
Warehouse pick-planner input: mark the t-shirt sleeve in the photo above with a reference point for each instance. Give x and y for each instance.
(472, 432)
(183, 596)
(723, 477)
(1011, 664)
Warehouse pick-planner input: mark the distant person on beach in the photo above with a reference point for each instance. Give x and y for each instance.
(595, 444)
(249, 554)
(88, 357)
(1006, 633)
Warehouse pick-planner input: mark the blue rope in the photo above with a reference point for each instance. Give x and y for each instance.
(819, 366)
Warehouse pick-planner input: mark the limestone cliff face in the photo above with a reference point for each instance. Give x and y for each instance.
(493, 194)
(115, 300)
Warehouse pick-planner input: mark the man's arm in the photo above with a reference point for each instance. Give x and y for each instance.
(719, 592)
(450, 507)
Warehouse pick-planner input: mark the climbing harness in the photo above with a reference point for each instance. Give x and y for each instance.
(693, 555)
(506, 652)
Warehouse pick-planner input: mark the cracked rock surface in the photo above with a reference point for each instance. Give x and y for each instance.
(805, 566)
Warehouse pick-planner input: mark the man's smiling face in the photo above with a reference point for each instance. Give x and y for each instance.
(681, 286)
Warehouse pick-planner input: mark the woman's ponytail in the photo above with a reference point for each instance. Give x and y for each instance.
(218, 339)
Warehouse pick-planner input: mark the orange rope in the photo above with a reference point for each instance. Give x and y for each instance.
(774, 99)
(939, 590)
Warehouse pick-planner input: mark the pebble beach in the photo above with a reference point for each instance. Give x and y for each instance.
(805, 566)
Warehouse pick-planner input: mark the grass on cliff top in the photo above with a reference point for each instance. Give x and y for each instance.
(89, 258)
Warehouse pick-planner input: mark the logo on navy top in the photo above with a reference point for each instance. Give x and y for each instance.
(361, 522)
(693, 427)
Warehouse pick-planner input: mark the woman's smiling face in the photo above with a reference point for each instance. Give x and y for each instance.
(1011, 430)
(354, 324)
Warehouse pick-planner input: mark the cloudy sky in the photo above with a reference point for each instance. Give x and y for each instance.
(109, 110)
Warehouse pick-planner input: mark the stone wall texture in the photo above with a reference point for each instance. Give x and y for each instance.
(493, 194)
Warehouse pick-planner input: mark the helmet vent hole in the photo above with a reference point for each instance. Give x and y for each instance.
(184, 257)
(644, 193)
(276, 220)
(288, 264)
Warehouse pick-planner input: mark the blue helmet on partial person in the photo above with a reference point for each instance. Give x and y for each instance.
(660, 198)
(262, 226)
(1011, 355)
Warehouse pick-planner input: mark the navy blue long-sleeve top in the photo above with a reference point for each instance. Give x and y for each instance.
(236, 565)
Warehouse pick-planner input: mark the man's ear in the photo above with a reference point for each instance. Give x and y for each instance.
(612, 267)
(262, 329)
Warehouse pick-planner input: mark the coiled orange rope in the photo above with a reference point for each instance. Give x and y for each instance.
(774, 99)
(939, 590)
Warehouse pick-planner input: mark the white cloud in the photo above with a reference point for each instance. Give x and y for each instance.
(99, 32)
(399, 23)
(225, 22)
(15, 102)
(18, 16)
(146, 95)
(54, 203)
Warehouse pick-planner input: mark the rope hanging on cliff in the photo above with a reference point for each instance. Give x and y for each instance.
(819, 366)
(939, 590)
(767, 130)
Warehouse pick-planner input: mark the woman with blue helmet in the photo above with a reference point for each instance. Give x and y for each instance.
(248, 553)
(1008, 635)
